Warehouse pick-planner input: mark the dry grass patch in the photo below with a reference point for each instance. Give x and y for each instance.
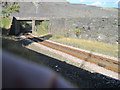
(99, 47)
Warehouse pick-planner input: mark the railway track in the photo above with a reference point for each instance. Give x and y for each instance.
(101, 61)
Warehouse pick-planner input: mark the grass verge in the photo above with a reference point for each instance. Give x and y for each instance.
(42, 29)
(6, 23)
(98, 47)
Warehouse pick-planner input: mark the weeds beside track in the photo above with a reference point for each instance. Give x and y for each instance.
(101, 61)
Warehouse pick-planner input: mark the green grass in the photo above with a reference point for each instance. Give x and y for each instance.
(99, 47)
(42, 29)
(5, 23)
(55, 37)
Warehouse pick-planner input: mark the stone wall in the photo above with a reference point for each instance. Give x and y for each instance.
(15, 28)
(97, 29)
(12, 28)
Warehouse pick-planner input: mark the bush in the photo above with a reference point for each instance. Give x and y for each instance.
(77, 32)
(5, 25)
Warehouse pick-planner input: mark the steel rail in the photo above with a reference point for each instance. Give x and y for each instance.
(73, 51)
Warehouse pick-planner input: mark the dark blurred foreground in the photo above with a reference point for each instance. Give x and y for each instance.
(75, 75)
(18, 73)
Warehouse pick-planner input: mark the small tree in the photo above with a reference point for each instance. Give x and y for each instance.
(10, 9)
(7, 4)
(13, 9)
(3, 12)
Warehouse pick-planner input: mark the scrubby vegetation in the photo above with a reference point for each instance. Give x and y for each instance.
(9, 8)
(5, 23)
(99, 47)
(42, 28)
(77, 32)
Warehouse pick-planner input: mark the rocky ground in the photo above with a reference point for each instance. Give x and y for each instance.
(95, 29)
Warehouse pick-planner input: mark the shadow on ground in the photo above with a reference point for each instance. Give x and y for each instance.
(46, 37)
(36, 39)
(73, 74)
(5, 31)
